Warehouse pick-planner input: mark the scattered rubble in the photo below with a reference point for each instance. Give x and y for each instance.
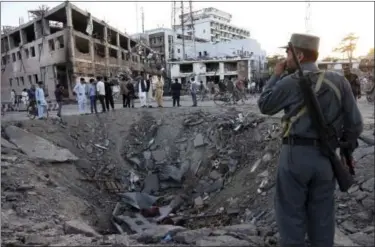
(200, 178)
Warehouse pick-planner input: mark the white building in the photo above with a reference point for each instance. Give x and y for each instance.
(211, 70)
(162, 40)
(244, 48)
(212, 24)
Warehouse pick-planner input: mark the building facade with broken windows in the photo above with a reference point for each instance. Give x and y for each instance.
(211, 70)
(62, 45)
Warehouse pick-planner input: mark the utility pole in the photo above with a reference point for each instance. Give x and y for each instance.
(143, 20)
(307, 17)
(183, 30)
(192, 27)
(136, 16)
(174, 26)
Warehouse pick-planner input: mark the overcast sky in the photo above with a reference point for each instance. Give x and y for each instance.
(271, 23)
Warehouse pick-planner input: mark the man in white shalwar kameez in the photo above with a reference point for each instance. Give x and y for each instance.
(41, 102)
(80, 90)
(143, 88)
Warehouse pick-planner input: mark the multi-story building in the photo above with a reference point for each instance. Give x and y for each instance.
(212, 24)
(163, 40)
(62, 45)
(211, 70)
(245, 48)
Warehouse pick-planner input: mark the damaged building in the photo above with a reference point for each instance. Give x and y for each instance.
(211, 70)
(63, 44)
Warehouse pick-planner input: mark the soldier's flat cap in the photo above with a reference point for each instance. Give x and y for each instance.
(304, 41)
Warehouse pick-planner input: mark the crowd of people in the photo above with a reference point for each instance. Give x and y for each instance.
(101, 90)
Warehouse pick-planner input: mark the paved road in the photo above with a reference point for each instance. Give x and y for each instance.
(367, 109)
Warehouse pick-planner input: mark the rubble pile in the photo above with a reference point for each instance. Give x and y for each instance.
(191, 178)
(216, 170)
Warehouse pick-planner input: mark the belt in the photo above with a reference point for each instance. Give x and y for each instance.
(300, 141)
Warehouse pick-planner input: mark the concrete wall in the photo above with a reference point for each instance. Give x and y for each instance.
(29, 67)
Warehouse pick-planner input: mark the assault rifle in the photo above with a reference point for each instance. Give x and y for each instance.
(326, 134)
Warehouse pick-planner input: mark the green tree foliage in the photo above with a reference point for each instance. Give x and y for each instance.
(347, 46)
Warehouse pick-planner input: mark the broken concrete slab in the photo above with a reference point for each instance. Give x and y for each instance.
(136, 222)
(157, 233)
(37, 147)
(198, 202)
(79, 227)
(159, 155)
(151, 184)
(191, 236)
(199, 141)
(368, 185)
(341, 239)
(170, 172)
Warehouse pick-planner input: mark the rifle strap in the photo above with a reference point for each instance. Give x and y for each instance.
(287, 124)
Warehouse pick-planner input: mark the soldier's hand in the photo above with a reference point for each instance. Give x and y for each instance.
(279, 68)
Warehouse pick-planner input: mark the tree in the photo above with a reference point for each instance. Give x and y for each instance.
(347, 46)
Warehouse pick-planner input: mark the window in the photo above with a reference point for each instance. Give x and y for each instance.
(60, 42)
(36, 78)
(204, 30)
(30, 79)
(27, 54)
(51, 45)
(32, 51)
(205, 53)
(22, 81)
(18, 81)
(178, 50)
(3, 60)
(14, 57)
(10, 82)
(200, 54)
(19, 56)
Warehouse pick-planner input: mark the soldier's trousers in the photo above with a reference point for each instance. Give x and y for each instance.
(304, 200)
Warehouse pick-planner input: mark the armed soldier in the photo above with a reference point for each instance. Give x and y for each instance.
(353, 81)
(304, 200)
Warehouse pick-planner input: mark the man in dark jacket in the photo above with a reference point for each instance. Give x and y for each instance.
(59, 97)
(108, 94)
(354, 82)
(131, 94)
(176, 92)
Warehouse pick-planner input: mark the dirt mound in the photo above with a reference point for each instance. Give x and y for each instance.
(208, 171)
